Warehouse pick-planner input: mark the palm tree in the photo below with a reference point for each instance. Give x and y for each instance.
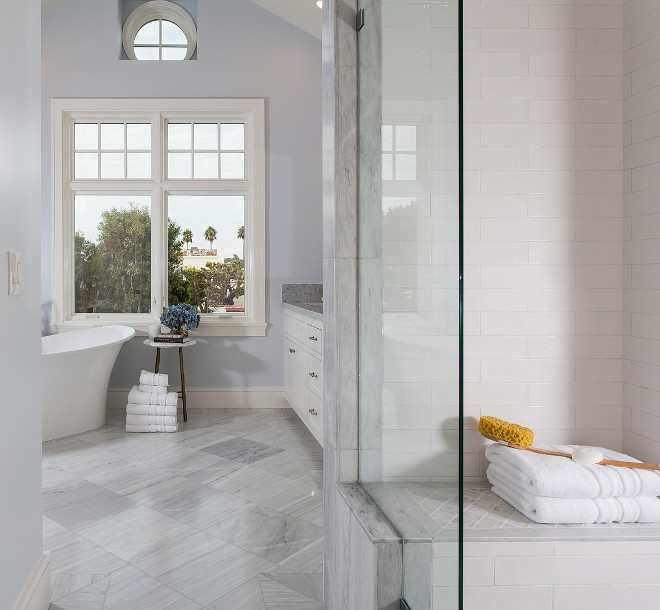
(209, 235)
(187, 237)
(241, 232)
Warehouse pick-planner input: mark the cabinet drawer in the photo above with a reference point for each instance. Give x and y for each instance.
(315, 375)
(315, 416)
(314, 338)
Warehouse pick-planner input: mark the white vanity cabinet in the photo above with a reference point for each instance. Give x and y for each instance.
(303, 368)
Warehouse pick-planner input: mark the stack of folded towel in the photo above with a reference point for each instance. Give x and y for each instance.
(151, 408)
(552, 489)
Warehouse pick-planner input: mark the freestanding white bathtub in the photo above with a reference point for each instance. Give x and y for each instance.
(76, 367)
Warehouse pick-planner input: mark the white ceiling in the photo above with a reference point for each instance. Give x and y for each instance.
(304, 14)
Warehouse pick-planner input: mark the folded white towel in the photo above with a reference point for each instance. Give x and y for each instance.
(151, 428)
(560, 477)
(142, 398)
(153, 389)
(163, 410)
(574, 510)
(147, 378)
(146, 420)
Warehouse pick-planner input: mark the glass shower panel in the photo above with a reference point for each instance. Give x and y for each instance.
(409, 240)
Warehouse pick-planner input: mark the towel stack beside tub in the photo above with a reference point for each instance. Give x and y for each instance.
(151, 408)
(552, 489)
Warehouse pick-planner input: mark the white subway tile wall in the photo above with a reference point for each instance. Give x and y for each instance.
(641, 251)
(545, 271)
(550, 575)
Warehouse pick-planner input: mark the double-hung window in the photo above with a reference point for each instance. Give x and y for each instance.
(158, 202)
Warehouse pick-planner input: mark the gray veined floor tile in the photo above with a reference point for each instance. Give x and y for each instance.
(265, 488)
(130, 479)
(246, 597)
(279, 597)
(79, 505)
(308, 585)
(91, 597)
(308, 560)
(52, 476)
(286, 464)
(132, 589)
(80, 556)
(65, 584)
(198, 438)
(136, 533)
(203, 568)
(191, 503)
(267, 533)
(242, 450)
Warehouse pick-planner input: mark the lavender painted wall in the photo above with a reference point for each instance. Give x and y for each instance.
(243, 51)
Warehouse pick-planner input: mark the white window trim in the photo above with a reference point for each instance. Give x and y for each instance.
(158, 9)
(250, 111)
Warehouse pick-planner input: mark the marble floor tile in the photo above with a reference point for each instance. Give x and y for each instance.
(246, 597)
(91, 597)
(308, 585)
(308, 560)
(267, 533)
(125, 515)
(279, 597)
(65, 584)
(78, 505)
(265, 488)
(80, 556)
(136, 533)
(242, 450)
(132, 589)
(187, 565)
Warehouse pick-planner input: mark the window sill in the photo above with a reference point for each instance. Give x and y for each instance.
(207, 328)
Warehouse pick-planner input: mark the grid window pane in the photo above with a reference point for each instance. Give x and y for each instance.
(387, 137)
(210, 262)
(406, 167)
(147, 53)
(86, 136)
(112, 136)
(86, 166)
(232, 136)
(406, 138)
(138, 136)
(112, 165)
(112, 254)
(179, 165)
(148, 33)
(206, 136)
(388, 167)
(138, 165)
(173, 34)
(206, 165)
(179, 136)
(232, 166)
(173, 53)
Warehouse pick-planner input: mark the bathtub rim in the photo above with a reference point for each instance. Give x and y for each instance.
(125, 334)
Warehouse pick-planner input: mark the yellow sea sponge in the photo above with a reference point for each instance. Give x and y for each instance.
(499, 429)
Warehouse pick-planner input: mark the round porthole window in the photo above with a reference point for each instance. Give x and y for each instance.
(159, 30)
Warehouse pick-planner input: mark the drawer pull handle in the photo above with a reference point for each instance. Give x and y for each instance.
(313, 374)
(313, 338)
(292, 351)
(313, 411)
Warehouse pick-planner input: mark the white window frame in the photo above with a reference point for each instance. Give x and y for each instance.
(158, 10)
(65, 112)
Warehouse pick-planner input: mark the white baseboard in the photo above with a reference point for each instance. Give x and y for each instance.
(36, 593)
(216, 398)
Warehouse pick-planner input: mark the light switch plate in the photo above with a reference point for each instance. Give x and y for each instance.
(15, 272)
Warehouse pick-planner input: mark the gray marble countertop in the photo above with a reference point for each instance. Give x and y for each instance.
(313, 310)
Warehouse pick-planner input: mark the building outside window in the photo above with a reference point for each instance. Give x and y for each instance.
(158, 202)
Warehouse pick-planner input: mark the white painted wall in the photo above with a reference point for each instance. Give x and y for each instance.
(641, 427)
(543, 129)
(243, 51)
(20, 433)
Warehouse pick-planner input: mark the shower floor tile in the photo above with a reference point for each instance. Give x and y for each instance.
(226, 512)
